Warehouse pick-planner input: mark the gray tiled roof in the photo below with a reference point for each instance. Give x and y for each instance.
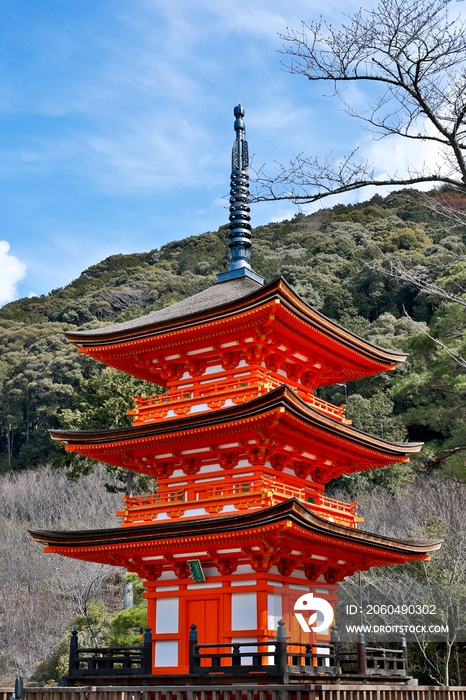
(217, 295)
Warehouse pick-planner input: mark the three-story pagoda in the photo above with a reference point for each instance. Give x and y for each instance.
(242, 449)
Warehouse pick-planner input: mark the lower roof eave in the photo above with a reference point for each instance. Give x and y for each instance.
(292, 511)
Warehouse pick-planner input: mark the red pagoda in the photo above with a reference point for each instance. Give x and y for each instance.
(240, 526)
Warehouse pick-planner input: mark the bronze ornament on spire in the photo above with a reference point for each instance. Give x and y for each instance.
(240, 228)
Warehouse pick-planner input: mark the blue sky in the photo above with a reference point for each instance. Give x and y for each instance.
(116, 124)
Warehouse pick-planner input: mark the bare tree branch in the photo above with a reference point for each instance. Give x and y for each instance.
(461, 361)
(440, 581)
(395, 268)
(417, 56)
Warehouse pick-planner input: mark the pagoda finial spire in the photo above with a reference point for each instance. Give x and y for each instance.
(240, 228)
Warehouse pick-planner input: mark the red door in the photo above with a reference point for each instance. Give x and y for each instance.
(204, 613)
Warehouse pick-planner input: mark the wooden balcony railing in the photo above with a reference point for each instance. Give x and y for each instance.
(215, 395)
(243, 494)
(277, 659)
(283, 659)
(110, 661)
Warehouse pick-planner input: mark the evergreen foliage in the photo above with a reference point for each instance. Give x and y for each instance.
(333, 258)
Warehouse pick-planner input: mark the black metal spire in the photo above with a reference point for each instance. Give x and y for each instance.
(240, 228)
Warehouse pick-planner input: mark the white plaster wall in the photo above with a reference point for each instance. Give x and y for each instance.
(243, 611)
(166, 653)
(166, 615)
(274, 610)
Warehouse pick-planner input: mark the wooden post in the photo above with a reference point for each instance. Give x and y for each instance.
(404, 649)
(192, 646)
(335, 640)
(236, 658)
(308, 660)
(281, 657)
(108, 659)
(73, 660)
(147, 651)
(361, 649)
(18, 688)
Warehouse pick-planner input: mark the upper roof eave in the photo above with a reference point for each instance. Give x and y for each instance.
(237, 295)
(215, 301)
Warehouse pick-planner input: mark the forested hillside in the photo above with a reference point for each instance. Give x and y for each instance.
(334, 259)
(393, 270)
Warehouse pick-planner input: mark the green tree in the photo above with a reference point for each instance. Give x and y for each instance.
(374, 415)
(103, 401)
(430, 397)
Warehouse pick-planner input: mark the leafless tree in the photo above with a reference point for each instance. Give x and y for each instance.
(445, 281)
(427, 509)
(41, 594)
(410, 59)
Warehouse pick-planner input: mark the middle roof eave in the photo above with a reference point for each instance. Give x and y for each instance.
(281, 398)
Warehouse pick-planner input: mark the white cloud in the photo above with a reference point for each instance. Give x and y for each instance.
(12, 271)
(283, 214)
(397, 157)
(391, 157)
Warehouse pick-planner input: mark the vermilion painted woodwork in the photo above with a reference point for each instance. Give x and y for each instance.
(271, 329)
(242, 448)
(286, 549)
